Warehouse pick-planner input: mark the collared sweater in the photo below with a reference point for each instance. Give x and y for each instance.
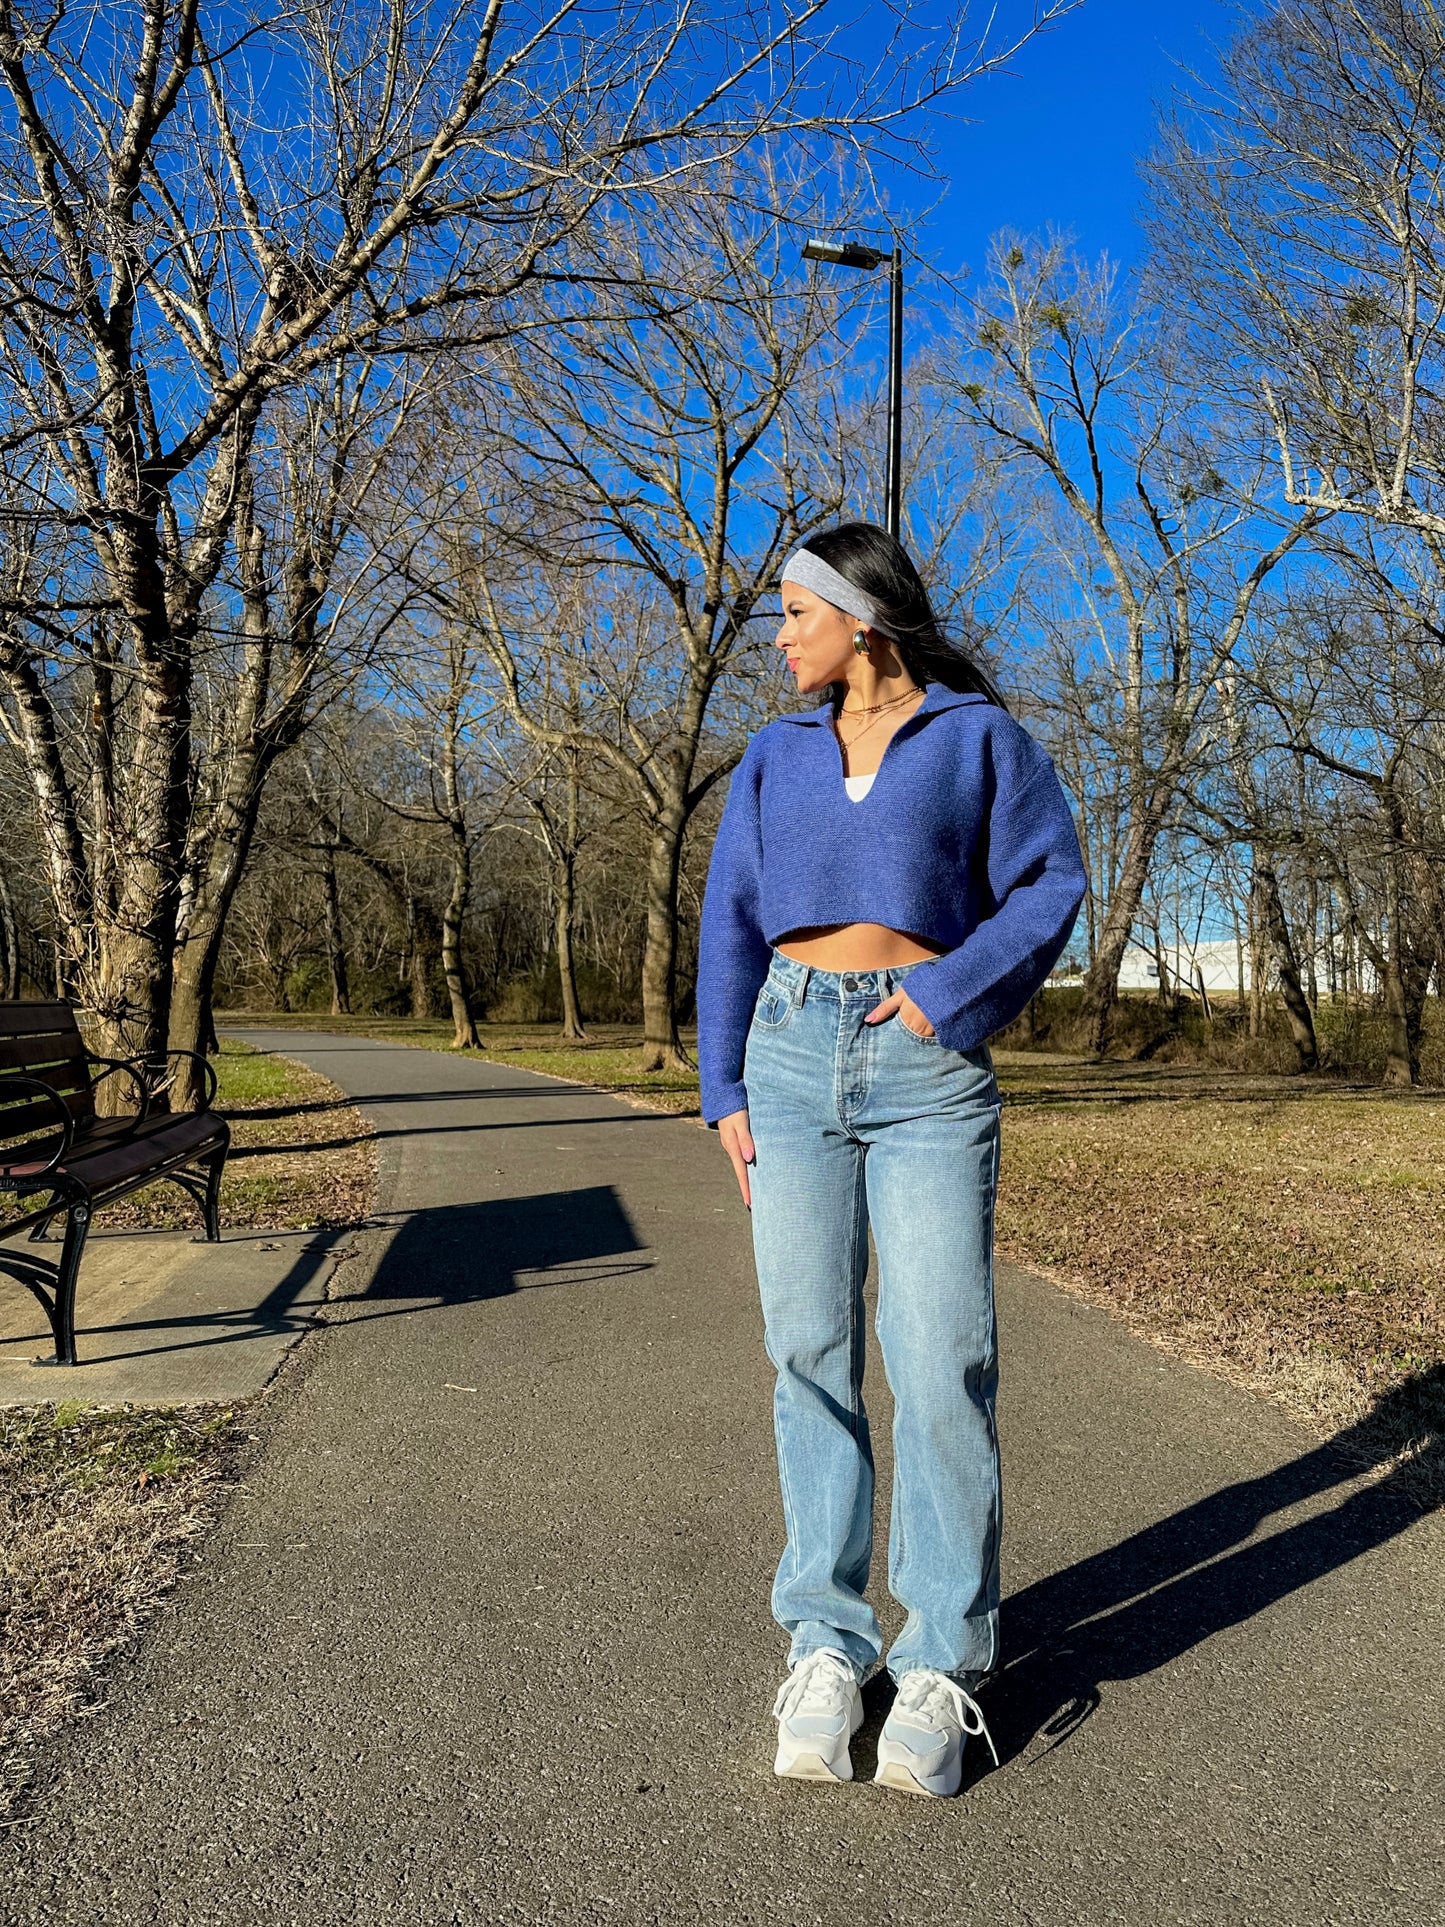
(964, 840)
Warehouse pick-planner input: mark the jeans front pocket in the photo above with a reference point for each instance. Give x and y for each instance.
(774, 1007)
(928, 1043)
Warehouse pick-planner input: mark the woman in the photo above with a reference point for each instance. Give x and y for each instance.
(895, 875)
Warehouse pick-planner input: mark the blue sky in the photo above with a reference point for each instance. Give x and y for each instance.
(1058, 139)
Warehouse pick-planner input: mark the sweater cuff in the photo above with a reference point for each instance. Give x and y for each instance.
(719, 1104)
(954, 1025)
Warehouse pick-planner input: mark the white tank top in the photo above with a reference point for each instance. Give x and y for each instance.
(858, 786)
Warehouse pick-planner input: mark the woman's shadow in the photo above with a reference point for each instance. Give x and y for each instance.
(1120, 1614)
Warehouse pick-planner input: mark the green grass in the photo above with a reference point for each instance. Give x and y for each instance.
(79, 1447)
(247, 1078)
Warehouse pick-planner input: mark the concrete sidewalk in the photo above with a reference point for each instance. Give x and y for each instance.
(484, 1638)
(162, 1318)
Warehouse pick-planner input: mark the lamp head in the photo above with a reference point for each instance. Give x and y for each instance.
(844, 254)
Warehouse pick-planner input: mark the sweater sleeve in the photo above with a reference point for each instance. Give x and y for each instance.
(1036, 884)
(733, 954)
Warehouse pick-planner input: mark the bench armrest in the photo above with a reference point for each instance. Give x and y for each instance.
(160, 1071)
(133, 1069)
(8, 1082)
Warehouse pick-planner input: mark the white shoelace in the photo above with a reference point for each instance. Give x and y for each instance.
(927, 1693)
(819, 1684)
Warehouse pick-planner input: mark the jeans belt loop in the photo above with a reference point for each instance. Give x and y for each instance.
(801, 987)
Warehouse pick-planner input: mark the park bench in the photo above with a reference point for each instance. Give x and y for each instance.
(59, 1158)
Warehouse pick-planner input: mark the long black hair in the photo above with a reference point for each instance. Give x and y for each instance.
(878, 564)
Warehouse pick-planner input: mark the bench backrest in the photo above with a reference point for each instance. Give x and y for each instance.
(42, 1041)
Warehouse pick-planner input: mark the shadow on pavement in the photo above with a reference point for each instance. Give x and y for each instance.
(461, 1253)
(1148, 1600)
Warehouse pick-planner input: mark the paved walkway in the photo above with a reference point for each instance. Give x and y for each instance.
(484, 1639)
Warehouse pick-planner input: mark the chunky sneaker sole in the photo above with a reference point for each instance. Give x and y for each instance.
(898, 1773)
(818, 1709)
(920, 1749)
(808, 1759)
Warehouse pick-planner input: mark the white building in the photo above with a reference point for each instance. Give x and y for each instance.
(1219, 962)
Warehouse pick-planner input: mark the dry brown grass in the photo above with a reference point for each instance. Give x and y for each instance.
(98, 1513)
(1286, 1234)
(101, 1509)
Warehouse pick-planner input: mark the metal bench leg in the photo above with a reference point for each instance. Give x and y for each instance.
(40, 1233)
(215, 1166)
(62, 1318)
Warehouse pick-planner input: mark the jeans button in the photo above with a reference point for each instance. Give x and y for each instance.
(850, 983)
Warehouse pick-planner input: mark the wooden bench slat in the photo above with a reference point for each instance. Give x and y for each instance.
(18, 1019)
(41, 1047)
(76, 1097)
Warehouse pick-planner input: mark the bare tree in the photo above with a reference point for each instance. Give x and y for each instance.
(667, 452)
(1359, 694)
(1297, 213)
(180, 238)
(439, 705)
(1163, 554)
(1266, 823)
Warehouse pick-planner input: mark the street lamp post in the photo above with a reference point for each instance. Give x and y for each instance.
(857, 254)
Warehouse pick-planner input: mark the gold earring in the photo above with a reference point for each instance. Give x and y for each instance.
(860, 641)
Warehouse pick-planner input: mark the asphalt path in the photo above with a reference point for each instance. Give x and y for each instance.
(484, 1637)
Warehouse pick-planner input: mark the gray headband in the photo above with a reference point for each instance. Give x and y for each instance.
(812, 572)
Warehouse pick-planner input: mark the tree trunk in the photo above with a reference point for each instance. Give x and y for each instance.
(1400, 1069)
(1404, 1005)
(661, 1045)
(192, 1024)
(464, 1023)
(9, 943)
(1101, 985)
(1256, 959)
(335, 937)
(564, 890)
(1296, 1003)
(418, 963)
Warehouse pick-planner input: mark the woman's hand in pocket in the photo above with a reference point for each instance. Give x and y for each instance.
(737, 1141)
(901, 1006)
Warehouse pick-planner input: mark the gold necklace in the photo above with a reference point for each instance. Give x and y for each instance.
(858, 734)
(868, 709)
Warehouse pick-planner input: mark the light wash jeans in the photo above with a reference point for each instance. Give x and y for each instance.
(857, 1126)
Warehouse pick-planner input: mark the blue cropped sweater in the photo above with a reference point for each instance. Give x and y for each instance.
(965, 839)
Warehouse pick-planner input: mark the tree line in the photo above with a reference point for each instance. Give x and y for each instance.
(395, 491)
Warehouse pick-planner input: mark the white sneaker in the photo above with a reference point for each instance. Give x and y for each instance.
(818, 1709)
(920, 1749)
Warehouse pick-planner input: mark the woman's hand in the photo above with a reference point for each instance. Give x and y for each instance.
(907, 1012)
(738, 1143)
